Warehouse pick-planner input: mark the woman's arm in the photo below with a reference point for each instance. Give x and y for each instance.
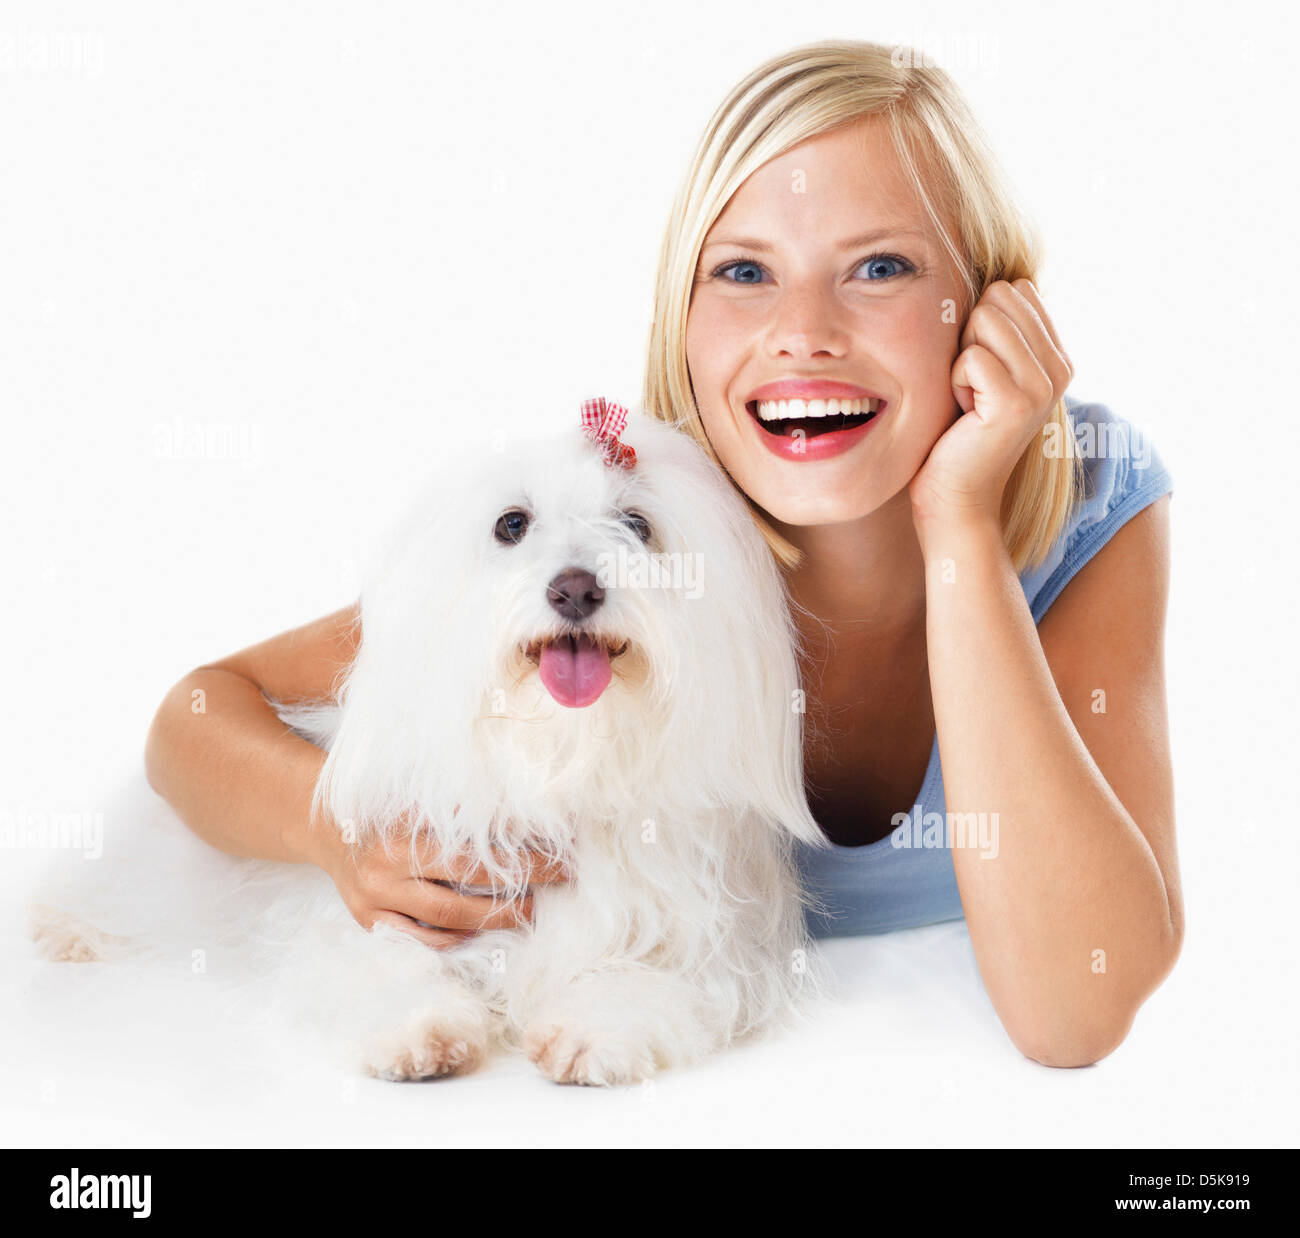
(1079, 916)
(220, 756)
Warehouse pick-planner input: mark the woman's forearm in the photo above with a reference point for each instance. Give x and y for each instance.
(232, 771)
(1072, 871)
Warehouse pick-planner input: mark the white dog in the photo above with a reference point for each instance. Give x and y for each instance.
(587, 658)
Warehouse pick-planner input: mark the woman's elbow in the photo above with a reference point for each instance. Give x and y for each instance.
(1075, 1047)
(1087, 1039)
(179, 696)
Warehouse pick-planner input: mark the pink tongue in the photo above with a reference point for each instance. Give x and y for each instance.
(575, 671)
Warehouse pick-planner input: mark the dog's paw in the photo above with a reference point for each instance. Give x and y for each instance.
(569, 1054)
(65, 938)
(427, 1047)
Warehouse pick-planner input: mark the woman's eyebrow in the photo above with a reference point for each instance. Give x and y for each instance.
(853, 242)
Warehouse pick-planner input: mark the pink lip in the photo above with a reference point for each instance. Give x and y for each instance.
(821, 446)
(810, 389)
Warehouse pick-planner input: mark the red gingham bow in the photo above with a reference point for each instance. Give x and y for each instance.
(603, 421)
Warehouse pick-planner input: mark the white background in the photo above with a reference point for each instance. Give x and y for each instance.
(341, 234)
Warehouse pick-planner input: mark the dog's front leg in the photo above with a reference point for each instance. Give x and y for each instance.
(611, 1027)
(447, 1033)
(398, 1009)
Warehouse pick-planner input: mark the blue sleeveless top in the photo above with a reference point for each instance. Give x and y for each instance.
(885, 886)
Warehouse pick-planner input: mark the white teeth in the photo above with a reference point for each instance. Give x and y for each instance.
(778, 410)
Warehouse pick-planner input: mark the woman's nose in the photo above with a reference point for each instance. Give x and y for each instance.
(807, 322)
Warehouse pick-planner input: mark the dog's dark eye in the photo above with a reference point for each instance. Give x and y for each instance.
(511, 527)
(638, 524)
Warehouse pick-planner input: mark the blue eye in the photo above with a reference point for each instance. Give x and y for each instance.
(744, 262)
(884, 267)
(877, 261)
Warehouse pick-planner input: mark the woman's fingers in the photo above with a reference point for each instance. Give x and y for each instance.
(1036, 349)
(990, 327)
(448, 909)
(1027, 290)
(438, 938)
(463, 870)
(419, 852)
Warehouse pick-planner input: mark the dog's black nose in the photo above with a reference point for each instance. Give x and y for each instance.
(575, 594)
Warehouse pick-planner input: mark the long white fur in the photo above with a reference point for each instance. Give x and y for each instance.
(674, 799)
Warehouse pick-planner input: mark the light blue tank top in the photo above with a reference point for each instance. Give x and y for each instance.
(885, 886)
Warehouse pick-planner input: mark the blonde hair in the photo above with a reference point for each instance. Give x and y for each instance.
(799, 95)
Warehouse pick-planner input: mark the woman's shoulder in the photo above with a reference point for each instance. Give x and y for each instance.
(1122, 474)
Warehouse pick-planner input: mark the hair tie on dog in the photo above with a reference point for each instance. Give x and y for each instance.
(603, 421)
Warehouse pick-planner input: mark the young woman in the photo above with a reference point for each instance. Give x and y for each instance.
(846, 319)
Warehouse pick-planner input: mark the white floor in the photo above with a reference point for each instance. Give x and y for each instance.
(913, 1056)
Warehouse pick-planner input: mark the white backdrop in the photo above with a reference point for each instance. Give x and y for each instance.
(260, 264)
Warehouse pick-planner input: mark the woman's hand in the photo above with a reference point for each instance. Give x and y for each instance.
(379, 886)
(1008, 376)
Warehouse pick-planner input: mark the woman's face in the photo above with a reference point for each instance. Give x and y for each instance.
(822, 268)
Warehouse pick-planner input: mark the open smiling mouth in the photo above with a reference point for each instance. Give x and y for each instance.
(575, 667)
(784, 418)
